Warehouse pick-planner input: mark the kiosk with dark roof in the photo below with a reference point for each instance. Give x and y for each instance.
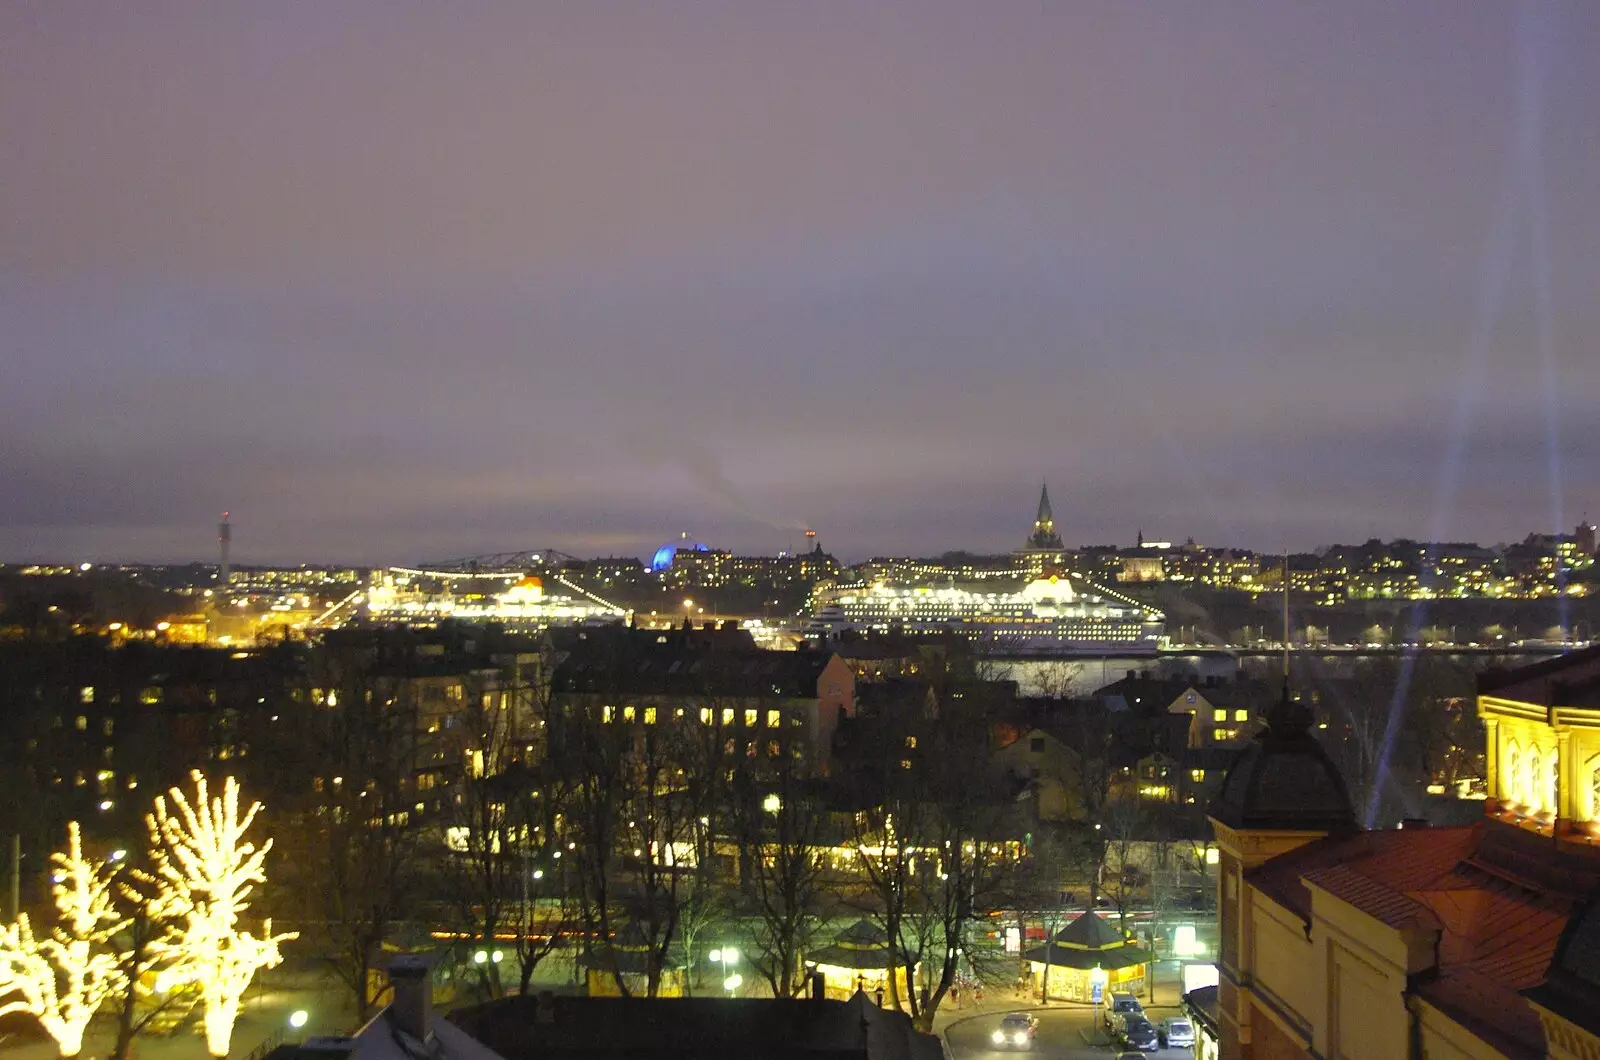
(1063, 967)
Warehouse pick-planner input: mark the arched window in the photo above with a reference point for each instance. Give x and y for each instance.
(1510, 777)
(1531, 779)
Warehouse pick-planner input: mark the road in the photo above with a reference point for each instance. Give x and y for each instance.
(1061, 1037)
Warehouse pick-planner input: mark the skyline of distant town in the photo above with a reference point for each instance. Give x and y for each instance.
(783, 542)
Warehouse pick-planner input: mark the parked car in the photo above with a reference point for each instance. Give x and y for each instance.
(1175, 1031)
(1139, 1033)
(1119, 1006)
(1016, 1031)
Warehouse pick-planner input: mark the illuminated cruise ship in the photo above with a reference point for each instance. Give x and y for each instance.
(517, 601)
(1053, 614)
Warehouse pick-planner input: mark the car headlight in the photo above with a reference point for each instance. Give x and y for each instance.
(999, 1037)
(1021, 1038)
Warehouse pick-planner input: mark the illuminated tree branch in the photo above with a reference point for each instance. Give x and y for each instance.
(206, 869)
(62, 980)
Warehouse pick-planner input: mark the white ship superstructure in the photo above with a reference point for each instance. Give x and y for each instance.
(1051, 614)
(515, 600)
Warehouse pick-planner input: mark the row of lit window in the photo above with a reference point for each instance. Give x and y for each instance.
(148, 696)
(752, 717)
(1221, 715)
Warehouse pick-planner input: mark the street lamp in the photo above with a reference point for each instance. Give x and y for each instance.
(1097, 990)
(298, 1018)
(725, 957)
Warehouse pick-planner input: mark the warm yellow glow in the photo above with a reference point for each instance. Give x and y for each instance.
(206, 869)
(63, 979)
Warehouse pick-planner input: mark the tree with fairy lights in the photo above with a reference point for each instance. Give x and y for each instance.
(205, 869)
(63, 979)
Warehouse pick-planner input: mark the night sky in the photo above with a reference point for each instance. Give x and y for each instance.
(399, 281)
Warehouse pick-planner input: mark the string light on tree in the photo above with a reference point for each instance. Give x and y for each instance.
(206, 869)
(63, 979)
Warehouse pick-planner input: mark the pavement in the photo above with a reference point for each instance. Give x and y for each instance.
(1064, 1033)
(1068, 1030)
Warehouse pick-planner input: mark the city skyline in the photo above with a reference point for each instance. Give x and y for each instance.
(392, 285)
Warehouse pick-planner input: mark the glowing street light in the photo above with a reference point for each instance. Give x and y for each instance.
(298, 1018)
(725, 957)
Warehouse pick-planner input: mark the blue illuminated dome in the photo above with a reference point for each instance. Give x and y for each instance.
(663, 557)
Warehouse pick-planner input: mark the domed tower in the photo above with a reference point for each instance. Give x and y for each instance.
(1282, 792)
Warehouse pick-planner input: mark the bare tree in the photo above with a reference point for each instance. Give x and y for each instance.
(484, 785)
(353, 835)
(139, 1006)
(783, 833)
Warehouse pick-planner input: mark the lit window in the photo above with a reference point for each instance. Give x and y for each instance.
(108, 726)
(750, 718)
(905, 763)
(911, 742)
(1219, 715)
(650, 715)
(774, 719)
(727, 715)
(705, 715)
(629, 714)
(86, 694)
(1241, 715)
(606, 712)
(80, 723)
(1197, 775)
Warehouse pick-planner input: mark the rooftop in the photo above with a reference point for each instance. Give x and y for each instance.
(1571, 680)
(1500, 906)
(1284, 780)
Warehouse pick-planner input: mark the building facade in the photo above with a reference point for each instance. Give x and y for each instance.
(1418, 942)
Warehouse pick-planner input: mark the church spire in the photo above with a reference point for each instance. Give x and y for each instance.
(1044, 534)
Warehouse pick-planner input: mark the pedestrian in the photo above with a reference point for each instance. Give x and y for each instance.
(955, 996)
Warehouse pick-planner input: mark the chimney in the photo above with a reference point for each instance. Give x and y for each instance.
(412, 1007)
(819, 987)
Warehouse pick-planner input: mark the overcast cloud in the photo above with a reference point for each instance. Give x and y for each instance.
(404, 281)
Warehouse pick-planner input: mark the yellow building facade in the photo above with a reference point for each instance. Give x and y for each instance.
(1480, 941)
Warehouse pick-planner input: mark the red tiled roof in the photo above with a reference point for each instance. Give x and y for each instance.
(1376, 899)
(1403, 860)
